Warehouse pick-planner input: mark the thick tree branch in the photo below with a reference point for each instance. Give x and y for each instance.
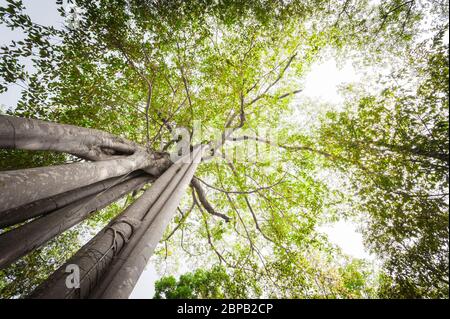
(240, 192)
(202, 198)
(287, 147)
(38, 135)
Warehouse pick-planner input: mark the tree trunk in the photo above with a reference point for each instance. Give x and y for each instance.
(44, 206)
(25, 186)
(108, 247)
(22, 240)
(31, 134)
(128, 267)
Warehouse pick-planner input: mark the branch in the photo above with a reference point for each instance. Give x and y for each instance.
(241, 192)
(202, 197)
(256, 220)
(166, 121)
(130, 61)
(147, 108)
(280, 75)
(221, 258)
(387, 14)
(183, 218)
(265, 75)
(243, 104)
(287, 147)
(233, 169)
(288, 94)
(186, 88)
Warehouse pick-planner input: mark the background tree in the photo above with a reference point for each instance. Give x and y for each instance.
(215, 283)
(394, 147)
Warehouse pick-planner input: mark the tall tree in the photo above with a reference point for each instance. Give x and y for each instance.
(143, 70)
(395, 149)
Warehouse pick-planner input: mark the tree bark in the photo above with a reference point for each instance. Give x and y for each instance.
(97, 256)
(44, 206)
(22, 187)
(122, 276)
(202, 197)
(117, 157)
(22, 240)
(31, 134)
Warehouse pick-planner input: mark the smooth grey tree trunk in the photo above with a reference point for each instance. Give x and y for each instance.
(44, 206)
(24, 239)
(100, 259)
(22, 187)
(31, 134)
(62, 196)
(123, 275)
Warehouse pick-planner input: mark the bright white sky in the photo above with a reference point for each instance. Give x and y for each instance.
(321, 84)
(324, 79)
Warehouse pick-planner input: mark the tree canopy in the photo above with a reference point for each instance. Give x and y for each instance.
(228, 74)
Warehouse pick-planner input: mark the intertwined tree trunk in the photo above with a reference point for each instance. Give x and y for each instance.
(41, 207)
(22, 240)
(111, 263)
(60, 197)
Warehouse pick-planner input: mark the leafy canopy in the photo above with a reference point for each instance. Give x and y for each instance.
(143, 69)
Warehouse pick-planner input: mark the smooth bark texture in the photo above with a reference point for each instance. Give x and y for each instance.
(47, 205)
(25, 186)
(202, 197)
(101, 258)
(118, 157)
(123, 275)
(31, 134)
(22, 240)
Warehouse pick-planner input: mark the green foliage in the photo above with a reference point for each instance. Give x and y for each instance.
(396, 149)
(214, 283)
(20, 159)
(115, 64)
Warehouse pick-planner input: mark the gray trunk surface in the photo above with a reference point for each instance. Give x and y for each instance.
(123, 275)
(40, 207)
(24, 239)
(22, 187)
(101, 259)
(31, 134)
